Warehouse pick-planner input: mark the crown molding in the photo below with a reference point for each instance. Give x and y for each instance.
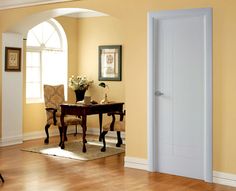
(11, 4)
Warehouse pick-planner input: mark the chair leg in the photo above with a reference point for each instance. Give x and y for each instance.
(103, 149)
(1, 178)
(60, 131)
(119, 140)
(82, 131)
(65, 137)
(46, 141)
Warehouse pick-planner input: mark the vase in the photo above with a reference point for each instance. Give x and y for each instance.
(80, 94)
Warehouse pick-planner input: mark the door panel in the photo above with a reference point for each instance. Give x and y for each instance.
(179, 67)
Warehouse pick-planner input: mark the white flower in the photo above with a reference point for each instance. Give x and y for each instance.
(79, 83)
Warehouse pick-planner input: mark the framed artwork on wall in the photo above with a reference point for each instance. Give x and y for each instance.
(12, 59)
(110, 60)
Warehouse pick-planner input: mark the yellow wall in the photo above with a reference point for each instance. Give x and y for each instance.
(70, 27)
(133, 17)
(93, 32)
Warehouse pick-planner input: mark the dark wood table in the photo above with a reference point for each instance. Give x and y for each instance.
(82, 110)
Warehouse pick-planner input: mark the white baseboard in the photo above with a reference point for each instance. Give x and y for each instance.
(137, 163)
(70, 130)
(10, 141)
(95, 131)
(41, 134)
(224, 178)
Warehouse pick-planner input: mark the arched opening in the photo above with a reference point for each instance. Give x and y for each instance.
(46, 54)
(83, 40)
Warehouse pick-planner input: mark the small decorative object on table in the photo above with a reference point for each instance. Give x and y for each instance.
(105, 100)
(79, 84)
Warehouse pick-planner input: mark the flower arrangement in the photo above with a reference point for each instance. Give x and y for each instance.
(79, 83)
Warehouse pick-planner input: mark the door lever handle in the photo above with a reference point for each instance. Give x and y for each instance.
(158, 93)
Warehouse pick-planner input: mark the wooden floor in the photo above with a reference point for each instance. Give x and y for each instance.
(32, 172)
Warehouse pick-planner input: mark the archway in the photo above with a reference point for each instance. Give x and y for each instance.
(12, 130)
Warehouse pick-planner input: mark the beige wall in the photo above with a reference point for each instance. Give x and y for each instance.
(133, 17)
(93, 32)
(70, 27)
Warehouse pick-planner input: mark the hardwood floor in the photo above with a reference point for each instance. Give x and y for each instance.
(25, 171)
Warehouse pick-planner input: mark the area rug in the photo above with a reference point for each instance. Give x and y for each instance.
(73, 150)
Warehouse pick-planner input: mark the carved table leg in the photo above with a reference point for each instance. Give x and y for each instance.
(103, 149)
(100, 126)
(62, 131)
(84, 120)
(119, 140)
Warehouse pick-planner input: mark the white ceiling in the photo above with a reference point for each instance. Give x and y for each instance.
(86, 13)
(8, 4)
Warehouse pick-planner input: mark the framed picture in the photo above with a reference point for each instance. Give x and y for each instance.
(110, 63)
(12, 59)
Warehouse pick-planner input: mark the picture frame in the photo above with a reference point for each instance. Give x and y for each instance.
(12, 59)
(110, 62)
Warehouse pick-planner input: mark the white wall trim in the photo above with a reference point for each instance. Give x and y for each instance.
(18, 4)
(10, 141)
(224, 178)
(42, 134)
(95, 131)
(137, 163)
(70, 130)
(52, 132)
(152, 155)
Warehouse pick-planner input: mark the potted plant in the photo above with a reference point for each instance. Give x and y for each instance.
(79, 84)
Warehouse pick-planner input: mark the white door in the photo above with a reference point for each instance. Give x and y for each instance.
(180, 82)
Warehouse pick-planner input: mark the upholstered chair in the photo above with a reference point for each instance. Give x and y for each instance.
(53, 98)
(115, 125)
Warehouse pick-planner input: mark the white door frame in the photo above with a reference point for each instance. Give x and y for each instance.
(152, 145)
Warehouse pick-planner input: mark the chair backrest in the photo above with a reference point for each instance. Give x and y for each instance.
(53, 96)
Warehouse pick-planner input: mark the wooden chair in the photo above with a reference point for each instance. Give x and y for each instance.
(117, 126)
(53, 98)
(1, 178)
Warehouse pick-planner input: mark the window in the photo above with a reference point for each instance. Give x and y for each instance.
(46, 59)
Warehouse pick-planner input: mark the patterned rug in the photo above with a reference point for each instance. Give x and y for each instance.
(73, 150)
